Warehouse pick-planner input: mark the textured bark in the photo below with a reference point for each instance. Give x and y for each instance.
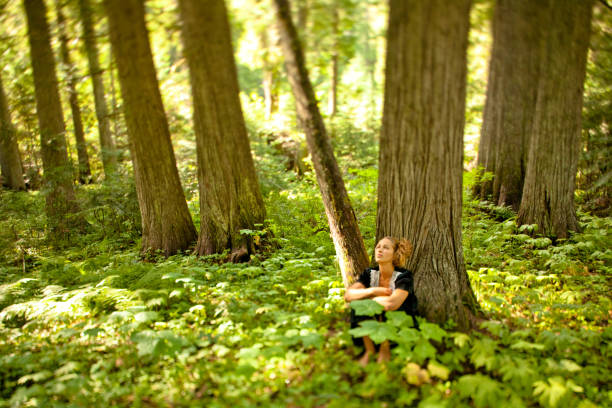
(77, 122)
(350, 249)
(10, 159)
(230, 199)
(333, 86)
(61, 206)
(166, 222)
(421, 146)
(548, 194)
(516, 52)
(483, 187)
(108, 153)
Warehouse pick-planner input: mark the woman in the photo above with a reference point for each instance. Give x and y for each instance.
(389, 285)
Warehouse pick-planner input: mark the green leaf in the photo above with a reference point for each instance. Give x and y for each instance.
(398, 319)
(146, 317)
(377, 331)
(524, 345)
(484, 391)
(423, 350)
(432, 331)
(438, 370)
(366, 307)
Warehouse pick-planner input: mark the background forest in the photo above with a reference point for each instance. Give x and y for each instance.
(175, 224)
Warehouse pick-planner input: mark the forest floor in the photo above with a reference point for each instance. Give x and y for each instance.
(93, 324)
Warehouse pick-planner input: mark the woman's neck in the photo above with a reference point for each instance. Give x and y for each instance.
(386, 269)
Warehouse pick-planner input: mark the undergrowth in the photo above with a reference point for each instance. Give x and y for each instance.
(95, 325)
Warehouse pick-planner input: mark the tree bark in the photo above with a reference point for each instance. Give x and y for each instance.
(548, 194)
(10, 159)
(81, 146)
(350, 248)
(485, 162)
(333, 86)
(107, 145)
(518, 43)
(166, 222)
(230, 199)
(421, 149)
(61, 205)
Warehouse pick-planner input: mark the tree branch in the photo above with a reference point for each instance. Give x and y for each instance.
(605, 3)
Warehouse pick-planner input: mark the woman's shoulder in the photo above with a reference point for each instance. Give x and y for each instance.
(403, 272)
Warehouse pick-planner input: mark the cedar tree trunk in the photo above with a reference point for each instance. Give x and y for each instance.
(548, 194)
(350, 249)
(10, 160)
(166, 222)
(79, 135)
(107, 145)
(483, 187)
(61, 205)
(421, 149)
(230, 199)
(518, 50)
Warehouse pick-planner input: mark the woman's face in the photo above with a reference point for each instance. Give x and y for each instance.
(384, 251)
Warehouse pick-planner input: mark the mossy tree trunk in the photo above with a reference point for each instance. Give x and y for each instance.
(350, 248)
(10, 159)
(548, 193)
(166, 222)
(61, 205)
(84, 168)
(107, 144)
(421, 150)
(230, 199)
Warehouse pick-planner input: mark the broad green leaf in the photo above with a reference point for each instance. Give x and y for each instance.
(146, 317)
(366, 307)
(432, 331)
(438, 370)
(423, 350)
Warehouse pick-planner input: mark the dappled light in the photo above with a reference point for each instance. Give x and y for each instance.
(218, 271)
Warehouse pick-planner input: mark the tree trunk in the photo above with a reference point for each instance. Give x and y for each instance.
(230, 199)
(269, 76)
(61, 205)
(10, 159)
(109, 158)
(79, 135)
(333, 86)
(421, 149)
(350, 249)
(485, 162)
(516, 48)
(548, 194)
(166, 222)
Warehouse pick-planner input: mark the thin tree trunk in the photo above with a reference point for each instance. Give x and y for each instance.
(166, 222)
(548, 194)
(333, 88)
(485, 162)
(230, 199)
(269, 76)
(61, 205)
(10, 159)
(109, 158)
(77, 122)
(350, 249)
(421, 150)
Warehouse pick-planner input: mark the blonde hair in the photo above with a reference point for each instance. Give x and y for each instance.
(402, 249)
